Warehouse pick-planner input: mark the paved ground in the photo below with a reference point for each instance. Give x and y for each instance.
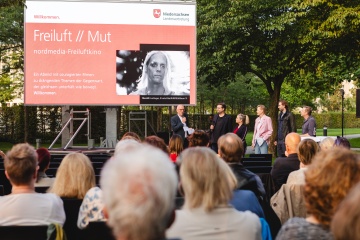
(249, 150)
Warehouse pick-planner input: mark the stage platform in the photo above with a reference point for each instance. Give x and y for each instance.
(84, 150)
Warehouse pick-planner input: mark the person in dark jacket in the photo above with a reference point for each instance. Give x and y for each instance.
(241, 129)
(231, 150)
(220, 125)
(286, 125)
(283, 166)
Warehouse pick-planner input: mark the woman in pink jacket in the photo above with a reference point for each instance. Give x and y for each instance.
(262, 131)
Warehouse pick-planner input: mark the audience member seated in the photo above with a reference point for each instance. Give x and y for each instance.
(175, 146)
(157, 142)
(208, 189)
(306, 152)
(91, 209)
(231, 150)
(25, 207)
(126, 144)
(327, 181)
(327, 143)
(44, 161)
(346, 222)
(283, 166)
(342, 142)
(74, 177)
(243, 200)
(139, 188)
(198, 138)
(131, 135)
(289, 201)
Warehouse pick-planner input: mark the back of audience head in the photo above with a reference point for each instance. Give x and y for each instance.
(231, 148)
(131, 135)
(198, 138)
(126, 144)
(21, 164)
(74, 177)
(327, 143)
(328, 179)
(176, 144)
(43, 160)
(342, 142)
(204, 179)
(292, 141)
(307, 150)
(139, 195)
(157, 142)
(346, 222)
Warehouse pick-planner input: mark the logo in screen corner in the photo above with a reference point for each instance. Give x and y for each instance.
(157, 13)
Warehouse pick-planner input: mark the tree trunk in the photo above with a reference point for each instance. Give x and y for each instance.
(273, 111)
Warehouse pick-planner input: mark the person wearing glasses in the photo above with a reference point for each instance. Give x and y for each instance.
(179, 124)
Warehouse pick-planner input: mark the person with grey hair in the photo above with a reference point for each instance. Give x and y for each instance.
(92, 206)
(156, 76)
(309, 125)
(327, 143)
(231, 151)
(139, 189)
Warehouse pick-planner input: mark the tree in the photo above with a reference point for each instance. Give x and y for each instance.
(11, 49)
(277, 41)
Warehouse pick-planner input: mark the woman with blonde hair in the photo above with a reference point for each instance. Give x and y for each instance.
(327, 143)
(208, 188)
(262, 131)
(74, 177)
(241, 130)
(327, 181)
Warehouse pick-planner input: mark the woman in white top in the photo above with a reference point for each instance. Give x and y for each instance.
(206, 213)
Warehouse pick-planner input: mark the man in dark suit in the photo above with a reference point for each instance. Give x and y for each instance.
(283, 166)
(179, 122)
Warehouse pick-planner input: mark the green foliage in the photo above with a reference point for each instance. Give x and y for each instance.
(309, 45)
(11, 49)
(331, 120)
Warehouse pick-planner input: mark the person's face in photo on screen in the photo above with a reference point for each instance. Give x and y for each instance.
(157, 68)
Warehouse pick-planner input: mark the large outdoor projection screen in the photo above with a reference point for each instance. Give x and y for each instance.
(103, 53)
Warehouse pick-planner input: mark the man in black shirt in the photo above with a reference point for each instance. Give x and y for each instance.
(221, 124)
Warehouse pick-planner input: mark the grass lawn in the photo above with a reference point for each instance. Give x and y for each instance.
(355, 142)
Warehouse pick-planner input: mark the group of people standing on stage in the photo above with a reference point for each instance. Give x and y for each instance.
(221, 124)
